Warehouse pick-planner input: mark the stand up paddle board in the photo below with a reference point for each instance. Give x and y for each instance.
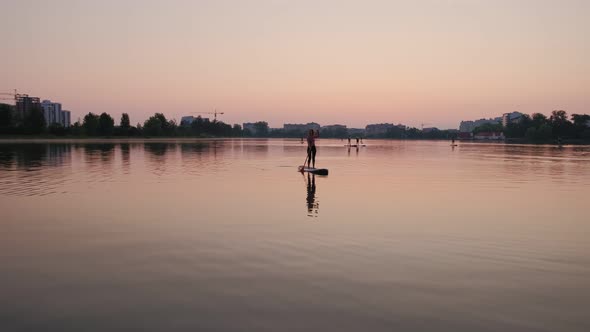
(317, 171)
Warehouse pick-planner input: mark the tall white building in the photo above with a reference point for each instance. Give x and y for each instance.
(54, 114)
(65, 118)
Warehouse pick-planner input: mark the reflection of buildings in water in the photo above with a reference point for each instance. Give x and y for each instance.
(237, 146)
(30, 155)
(27, 156)
(59, 154)
(7, 156)
(312, 204)
(188, 150)
(38, 168)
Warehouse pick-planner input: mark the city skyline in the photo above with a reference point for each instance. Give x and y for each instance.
(351, 63)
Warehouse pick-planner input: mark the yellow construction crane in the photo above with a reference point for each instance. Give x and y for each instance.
(214, 114)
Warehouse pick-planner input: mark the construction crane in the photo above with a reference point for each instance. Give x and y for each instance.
(9, 95)
(214, 114)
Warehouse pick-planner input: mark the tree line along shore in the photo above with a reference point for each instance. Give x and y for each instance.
(534, 128)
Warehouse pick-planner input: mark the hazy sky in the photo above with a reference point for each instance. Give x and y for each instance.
(348, 62)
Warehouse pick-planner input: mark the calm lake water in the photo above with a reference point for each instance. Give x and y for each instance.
(226, 235)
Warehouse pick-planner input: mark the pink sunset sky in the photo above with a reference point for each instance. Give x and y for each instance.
(347, 62)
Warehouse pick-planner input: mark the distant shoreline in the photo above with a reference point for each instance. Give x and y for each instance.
(66, 139)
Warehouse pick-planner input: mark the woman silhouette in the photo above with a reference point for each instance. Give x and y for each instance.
(311, 148)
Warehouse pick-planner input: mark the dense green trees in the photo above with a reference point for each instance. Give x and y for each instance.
(5, 118)
(536, 127)
(581, 125)
(11, 123)
(489, 127)
(540, 128)
(34, 121)
(125, 123)
(106, 125)
(561, 126)
(158, 125)
(57, 129)
(90, 124)
(261, 128)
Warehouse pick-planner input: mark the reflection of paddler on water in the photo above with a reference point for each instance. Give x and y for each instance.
(356, 147)
(301, 140)
(312, 205)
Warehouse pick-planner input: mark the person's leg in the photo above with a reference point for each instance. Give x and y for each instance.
(308, 156)
(313, 152)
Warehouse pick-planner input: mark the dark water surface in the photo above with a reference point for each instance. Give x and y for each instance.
(225, 235)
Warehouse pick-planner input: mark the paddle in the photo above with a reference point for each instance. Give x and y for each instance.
(302, 167)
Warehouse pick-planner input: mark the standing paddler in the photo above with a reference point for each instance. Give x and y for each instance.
(311, 148)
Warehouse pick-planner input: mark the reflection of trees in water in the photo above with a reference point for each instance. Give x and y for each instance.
(203, 155)
(157, 155)
(98, 161)
(236, 145)
(126, 151)
(192, 156)
(313, 205)
(125, 156)
(59, 154)
(159, 149)
(99, 152)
